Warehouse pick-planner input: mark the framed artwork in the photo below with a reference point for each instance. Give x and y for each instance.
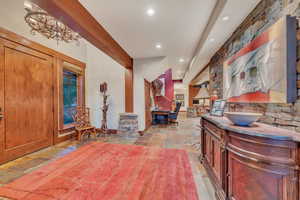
(158, 86)
(179, 97)
(264, 70)
(218, 108)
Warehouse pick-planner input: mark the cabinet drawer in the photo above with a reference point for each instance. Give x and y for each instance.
(260, 148)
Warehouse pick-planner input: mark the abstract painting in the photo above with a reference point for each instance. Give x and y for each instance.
(264, 70)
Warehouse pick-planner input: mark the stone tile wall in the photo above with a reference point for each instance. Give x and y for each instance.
(262, 17)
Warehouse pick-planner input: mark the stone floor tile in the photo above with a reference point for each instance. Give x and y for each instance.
(185, 136)
(7, 176)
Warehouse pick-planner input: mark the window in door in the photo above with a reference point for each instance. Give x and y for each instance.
(70, 95)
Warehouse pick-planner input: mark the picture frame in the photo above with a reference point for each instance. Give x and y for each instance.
(180, 98)
(263, 70)
(218, 108)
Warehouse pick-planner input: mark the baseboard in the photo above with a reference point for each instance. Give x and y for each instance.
(112, 131)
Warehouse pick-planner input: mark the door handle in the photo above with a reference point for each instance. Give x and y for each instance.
(1, 114)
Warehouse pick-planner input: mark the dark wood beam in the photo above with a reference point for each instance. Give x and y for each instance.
(73, 14)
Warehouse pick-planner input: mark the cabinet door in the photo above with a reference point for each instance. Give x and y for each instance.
(216, 158)
(250, 180)
(207, 153)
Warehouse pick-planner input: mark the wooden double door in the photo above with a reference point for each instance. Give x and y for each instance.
(26, 100)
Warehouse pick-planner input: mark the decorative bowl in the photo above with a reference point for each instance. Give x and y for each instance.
(242, 118)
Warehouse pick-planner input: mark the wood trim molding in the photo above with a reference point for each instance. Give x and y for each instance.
(73, 14)
(80, 87)
(11, 36)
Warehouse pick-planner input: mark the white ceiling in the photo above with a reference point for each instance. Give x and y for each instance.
(177, 25)
(237, 11)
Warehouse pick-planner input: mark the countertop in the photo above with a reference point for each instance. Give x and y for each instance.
(256, 129)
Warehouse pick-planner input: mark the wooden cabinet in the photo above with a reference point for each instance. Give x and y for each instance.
(244, 165)
(214, 157)
(248, 178)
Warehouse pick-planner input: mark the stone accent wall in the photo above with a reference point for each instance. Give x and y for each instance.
(128, 123)
(279, 115)
(262, 17)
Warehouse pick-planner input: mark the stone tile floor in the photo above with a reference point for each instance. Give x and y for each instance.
(180, 137)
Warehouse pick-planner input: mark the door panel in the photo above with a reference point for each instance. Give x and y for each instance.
(27, 103)
(208, 148)
(216, 159)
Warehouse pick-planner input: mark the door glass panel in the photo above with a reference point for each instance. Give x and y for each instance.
(69, 95)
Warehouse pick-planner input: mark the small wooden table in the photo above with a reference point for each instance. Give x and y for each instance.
(156, 114)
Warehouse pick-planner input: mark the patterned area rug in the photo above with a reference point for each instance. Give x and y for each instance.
(103, 171)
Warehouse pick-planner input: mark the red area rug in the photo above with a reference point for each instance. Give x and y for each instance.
(103, 171)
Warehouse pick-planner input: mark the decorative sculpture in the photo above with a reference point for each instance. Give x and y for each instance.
(157, 86)
(103, 90)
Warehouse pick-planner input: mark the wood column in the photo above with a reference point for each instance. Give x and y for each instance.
(129, 90)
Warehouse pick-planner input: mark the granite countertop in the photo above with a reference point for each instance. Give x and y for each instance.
(256, 129)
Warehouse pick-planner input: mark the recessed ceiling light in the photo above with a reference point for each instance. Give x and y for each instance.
(150, 12)
(225, 18)
(181, 60)
(158, 46)
(212, 40)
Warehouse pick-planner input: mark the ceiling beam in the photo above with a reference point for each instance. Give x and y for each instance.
(74, 15)
(220, 4)
(196, 78)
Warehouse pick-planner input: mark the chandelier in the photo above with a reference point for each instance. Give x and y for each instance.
(41, 22)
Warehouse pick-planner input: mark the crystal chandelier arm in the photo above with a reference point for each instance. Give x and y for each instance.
(41, 22)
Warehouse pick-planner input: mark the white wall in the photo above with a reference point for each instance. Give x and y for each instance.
(149, 69)
(101, 68)
(12, 15)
